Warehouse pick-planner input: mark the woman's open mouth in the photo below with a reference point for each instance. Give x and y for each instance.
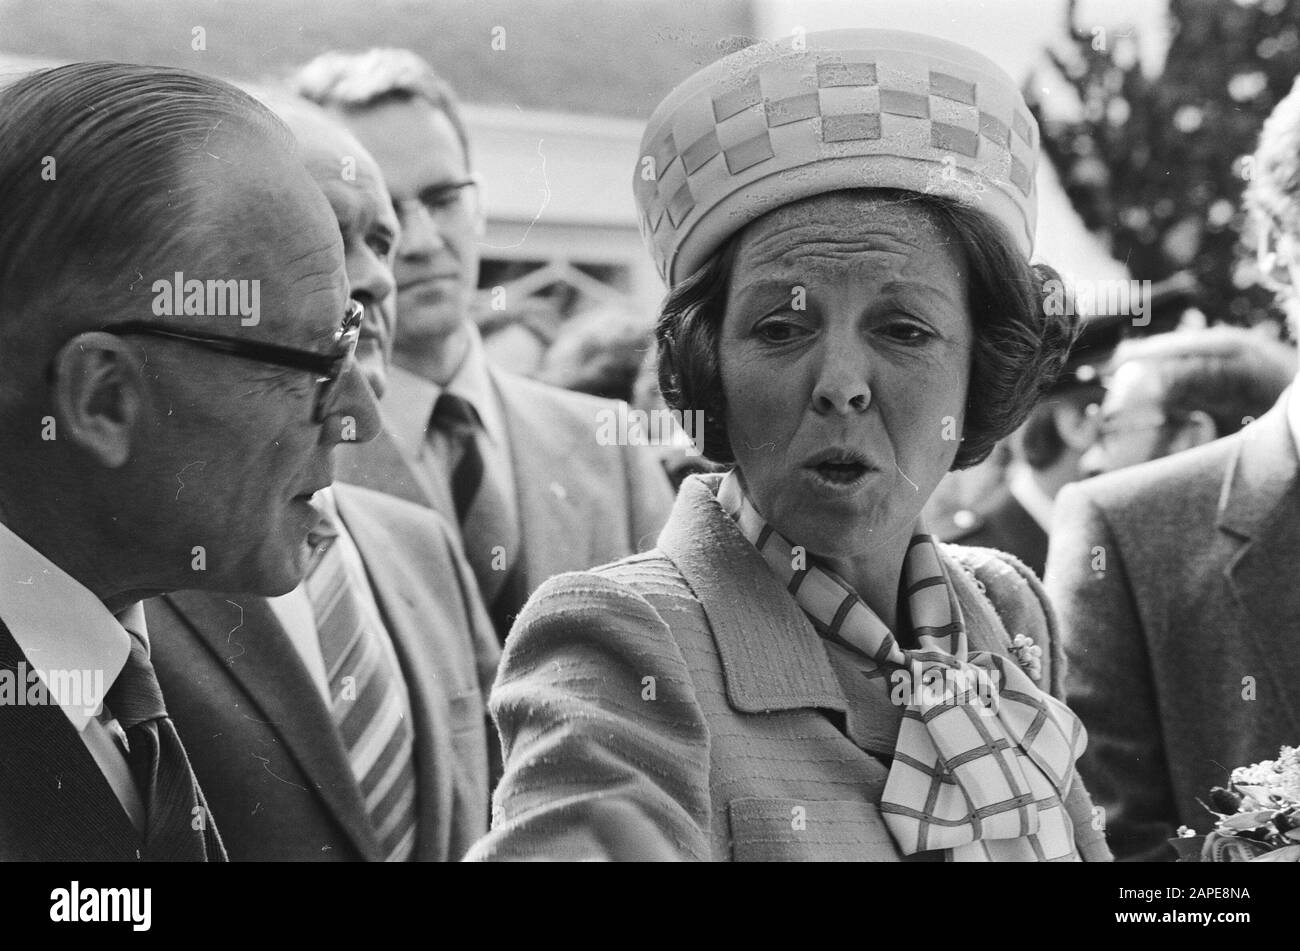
(838, 468)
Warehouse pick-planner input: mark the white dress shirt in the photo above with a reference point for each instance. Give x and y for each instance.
(60, 626)
(408, 408)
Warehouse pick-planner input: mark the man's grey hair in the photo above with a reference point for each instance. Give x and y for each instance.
(97, 183)
(350, 82)
(1229, 373)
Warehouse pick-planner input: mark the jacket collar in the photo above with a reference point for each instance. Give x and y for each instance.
(1260, 507)
(772, 658)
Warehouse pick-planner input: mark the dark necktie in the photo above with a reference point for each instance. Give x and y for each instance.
(491, 543)
(178, 827)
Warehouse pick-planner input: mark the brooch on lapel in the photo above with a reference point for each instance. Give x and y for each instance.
(1028, 655)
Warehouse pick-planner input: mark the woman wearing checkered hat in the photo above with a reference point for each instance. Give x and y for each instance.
(799, 670)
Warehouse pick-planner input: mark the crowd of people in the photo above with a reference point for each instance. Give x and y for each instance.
(318, 578)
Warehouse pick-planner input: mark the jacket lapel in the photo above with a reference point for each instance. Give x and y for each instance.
(55, 804)
(538, 446)
(263, 661)
(382, 466)
(1260, 509)
(772, 658)
(408, 627)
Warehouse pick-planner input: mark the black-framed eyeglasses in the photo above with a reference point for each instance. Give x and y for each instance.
(328, 367)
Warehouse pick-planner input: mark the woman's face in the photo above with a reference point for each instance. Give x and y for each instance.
(845, 358)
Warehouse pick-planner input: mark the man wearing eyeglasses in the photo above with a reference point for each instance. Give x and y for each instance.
(516, 464)
(144, 454)
(1179, 390)
(1175, 580)
(346, 719)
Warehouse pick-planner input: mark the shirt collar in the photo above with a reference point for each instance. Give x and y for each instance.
(409, 399)
(1033, 499)
(61, 627)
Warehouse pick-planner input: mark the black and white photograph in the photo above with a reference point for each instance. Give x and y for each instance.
(648, 431)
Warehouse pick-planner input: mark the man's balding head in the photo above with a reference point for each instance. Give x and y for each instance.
(355, 189)
(139, 462)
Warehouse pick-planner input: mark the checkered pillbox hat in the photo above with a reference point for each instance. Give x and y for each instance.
(778, 122)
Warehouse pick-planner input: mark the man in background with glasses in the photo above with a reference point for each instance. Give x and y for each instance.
(143, 453)
(1182, 389)
(345, 720)
(1175, 580)
(515, 463)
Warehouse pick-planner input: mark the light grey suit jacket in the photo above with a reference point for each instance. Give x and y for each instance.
(688, 681)
(1178, 587)
(580, 503)
(263, 742)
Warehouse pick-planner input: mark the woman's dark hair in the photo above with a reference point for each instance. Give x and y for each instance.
(1019, 349)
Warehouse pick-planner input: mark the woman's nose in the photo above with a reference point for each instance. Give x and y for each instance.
(842, 386)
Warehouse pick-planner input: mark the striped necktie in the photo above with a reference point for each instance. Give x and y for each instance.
(492, 543)
(178, 826)
(368, 698)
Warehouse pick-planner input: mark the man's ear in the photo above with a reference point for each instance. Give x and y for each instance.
(97, 389)
(1198, 429)
(1075, 427)
(1276, 258)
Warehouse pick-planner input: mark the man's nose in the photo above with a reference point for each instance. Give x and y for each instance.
(354, 414)
(370, 277)
(420, 234)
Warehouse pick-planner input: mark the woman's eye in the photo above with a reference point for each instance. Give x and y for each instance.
(779, 331)
(907, 332)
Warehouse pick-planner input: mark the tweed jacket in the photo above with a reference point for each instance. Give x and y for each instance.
(687, 681)
(1176, 583)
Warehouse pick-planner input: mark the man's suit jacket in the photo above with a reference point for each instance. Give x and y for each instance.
(689, 682)
(260, 736)
(1178, 587)
(1005, 525)
(581, 504)
(55, 804)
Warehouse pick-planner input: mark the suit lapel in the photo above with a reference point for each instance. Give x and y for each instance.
(263, 661)
(55, 804)
(556, 537)
(771, 656)
(381, 465)
(408, 628)
(1260, 509)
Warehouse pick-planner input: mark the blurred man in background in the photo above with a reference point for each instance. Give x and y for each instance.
(1046, 454)
(1182, 389)
(147, 453)
(1175, 583)
(515, 463)
(369, 739)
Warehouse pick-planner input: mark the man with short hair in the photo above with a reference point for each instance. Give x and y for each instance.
(153, 441)
(515, 463)
(1175, 583)
(312, 749)
(1046, 452)
(1182, 389)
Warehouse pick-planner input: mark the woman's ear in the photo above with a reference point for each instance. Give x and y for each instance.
(97, 389)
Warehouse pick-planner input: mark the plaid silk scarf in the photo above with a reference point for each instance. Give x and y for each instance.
(984, 759)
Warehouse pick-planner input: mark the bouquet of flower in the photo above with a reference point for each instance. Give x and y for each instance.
(1258, 816)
